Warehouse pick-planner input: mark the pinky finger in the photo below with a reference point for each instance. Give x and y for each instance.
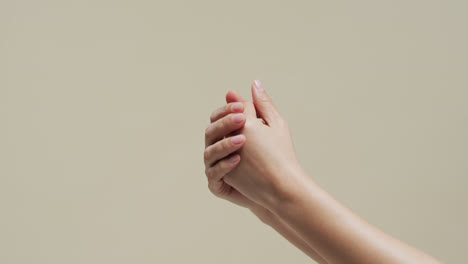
(222, 167)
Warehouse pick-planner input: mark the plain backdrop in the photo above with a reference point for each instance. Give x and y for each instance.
(103, 107)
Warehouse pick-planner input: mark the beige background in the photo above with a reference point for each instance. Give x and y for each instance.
(103, 106)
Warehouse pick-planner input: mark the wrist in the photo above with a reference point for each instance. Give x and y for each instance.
(263, 214)
(292, 191)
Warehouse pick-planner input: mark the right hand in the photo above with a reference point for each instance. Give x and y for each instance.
(269, 170)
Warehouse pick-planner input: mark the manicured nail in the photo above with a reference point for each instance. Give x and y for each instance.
(237, 139)
(234, 158)
(258, 85)
(237, 107)
(238, 118)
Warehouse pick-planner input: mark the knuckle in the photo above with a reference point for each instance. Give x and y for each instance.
(213, 117)
(215, 126)
(209, 173)
(210, 130)
(225, 122)
(212, 189)
(224, 166)
(217, 147)
(226, 144)
(220, 112)
(207, 154)
(215, 192)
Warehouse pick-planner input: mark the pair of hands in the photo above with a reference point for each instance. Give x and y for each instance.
(249, 154)
(250, 161)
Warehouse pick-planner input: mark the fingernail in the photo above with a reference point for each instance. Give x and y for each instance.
(237, 107)
(258, 85)
(238, 118)
(237, 139)
(234, 158)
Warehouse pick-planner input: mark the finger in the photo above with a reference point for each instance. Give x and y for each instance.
(222, 127)
(263, 104)
(233, 96)
(223, 167)
(225, 110)
(222, 149)
(249, 111)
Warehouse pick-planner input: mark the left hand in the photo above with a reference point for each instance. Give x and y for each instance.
(220, 155)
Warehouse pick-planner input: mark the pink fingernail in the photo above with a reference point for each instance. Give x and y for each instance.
(258, 85)
(237, 107)
(237, 139)
(234, 158)
(238, 118)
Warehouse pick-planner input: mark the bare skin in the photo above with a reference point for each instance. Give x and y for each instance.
(250, 160)
(219, 161)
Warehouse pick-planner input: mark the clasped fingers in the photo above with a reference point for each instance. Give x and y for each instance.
(222, 149)
(223, 127)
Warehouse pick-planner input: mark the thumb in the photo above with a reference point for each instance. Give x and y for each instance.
(263, 103)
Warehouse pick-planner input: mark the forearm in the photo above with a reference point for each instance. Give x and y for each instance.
(335, 232)
(267, 173)
(288, 233)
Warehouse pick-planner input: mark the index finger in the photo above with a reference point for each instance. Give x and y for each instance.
(225, 110)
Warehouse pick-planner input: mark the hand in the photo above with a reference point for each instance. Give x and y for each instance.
(268, 160)
(221, 158)
(221, 155)
(220, 147)
(266, 177)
